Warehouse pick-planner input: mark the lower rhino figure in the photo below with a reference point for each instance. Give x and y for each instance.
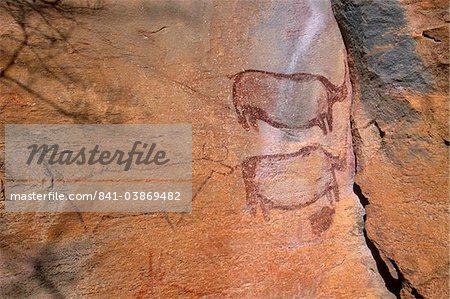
(292, 180)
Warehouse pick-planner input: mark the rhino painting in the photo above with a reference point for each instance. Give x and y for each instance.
(310, 98)
(292, 180)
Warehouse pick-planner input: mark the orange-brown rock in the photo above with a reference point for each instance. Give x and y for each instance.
(274, 214)
(399, 53)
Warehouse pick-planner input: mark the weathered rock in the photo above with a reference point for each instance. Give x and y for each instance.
(399, 54)
(274, 214)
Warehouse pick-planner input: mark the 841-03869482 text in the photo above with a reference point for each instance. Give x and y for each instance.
(99, 195)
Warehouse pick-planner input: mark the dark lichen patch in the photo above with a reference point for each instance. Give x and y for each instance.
(397, 63)
(384, 56)
(376, 33)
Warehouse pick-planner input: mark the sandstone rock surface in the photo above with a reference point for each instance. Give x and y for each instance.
(274, 214)
(399, 57)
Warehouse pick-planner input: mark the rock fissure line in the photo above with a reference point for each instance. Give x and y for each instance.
(355, 19)
(393, 284)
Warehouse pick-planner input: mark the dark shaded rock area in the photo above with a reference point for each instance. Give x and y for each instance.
(399, 60)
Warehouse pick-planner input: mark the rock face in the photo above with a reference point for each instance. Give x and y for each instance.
(266, 87)
(399, 59)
